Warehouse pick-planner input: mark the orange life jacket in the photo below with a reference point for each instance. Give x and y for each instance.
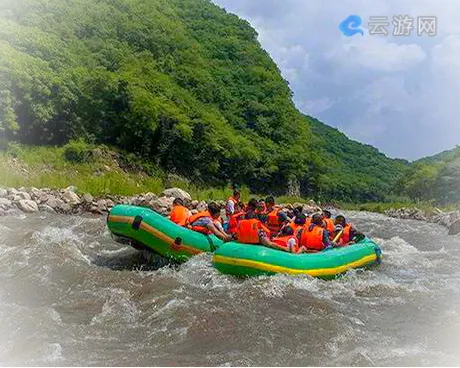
(345, 238)
(273, 222)
(194, 218)
(234, 220)
(179, 215)
(330, 226)
(235, 201)
(247, 231)
(283, 241)
(312, 239)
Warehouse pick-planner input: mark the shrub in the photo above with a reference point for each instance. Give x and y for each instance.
(78, 151)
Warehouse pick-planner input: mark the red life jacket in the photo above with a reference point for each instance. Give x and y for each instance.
(312, 239)
(273, 222)
(179, 215)
(194, 218)
(247, 231)
(345, 238)
(234, 220)
(283, 242)
(330, 226)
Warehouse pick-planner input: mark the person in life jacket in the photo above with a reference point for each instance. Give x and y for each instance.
(275, 218)
(206, 222)
(298, 222)
(314, 237)
(179, 213)
(349, 234)
(236, 218)
(251, 230)
(329, 223)
(261, 209)
(231, 202)
(287, 240)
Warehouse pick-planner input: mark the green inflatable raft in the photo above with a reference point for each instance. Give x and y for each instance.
(144, 228)
(254, 260)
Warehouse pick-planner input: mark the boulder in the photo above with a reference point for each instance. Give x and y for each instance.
(54, 203)
(46, 208)
(24, 195)
(28, 206)
(3, 192)
(5, 203)
(101, 205)
(454, 227)
(176, 193)
(150, 196)
(12, 191)
(71, 197)
(161, 205)
(87, 198)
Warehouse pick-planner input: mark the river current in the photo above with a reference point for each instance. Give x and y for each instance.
(70, 295)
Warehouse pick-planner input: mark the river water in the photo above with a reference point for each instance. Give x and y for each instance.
(70, 295)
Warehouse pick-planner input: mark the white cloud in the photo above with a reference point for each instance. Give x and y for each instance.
(376, 53)
(314, 107)
(397, 93)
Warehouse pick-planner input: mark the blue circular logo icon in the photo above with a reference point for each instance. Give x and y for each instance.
(350, 26)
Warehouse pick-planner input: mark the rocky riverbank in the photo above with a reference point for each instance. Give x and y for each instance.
(451, 219)
(67, 201)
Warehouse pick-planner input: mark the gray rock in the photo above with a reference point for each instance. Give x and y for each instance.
(101, 205)
(150, 196)
(161, 205)
(24, 195)
(46, 208)
(12, 191)
(454, 227)
(5, 202)
(28, 206)
(176, 193)
(64, 208)
(3, 192)
(87, 198)
(71, 197)
(54, 202)
(2, 212)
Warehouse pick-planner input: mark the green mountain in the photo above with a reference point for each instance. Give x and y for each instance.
(435, 178)
(179, 83)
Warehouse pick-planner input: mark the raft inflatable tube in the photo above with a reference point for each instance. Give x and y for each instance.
(255, 260)
(143, 228)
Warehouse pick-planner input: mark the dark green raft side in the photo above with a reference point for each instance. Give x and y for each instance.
(144, 226)
(253, 260)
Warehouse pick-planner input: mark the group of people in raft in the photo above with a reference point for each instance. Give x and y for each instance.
(263, 222)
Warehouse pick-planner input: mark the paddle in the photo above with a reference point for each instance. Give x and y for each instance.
(338, 236)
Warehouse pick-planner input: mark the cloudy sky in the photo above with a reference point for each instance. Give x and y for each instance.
(398, 93)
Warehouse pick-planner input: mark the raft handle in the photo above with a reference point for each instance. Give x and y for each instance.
(137, 222)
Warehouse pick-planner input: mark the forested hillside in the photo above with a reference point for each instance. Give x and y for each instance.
(179, 83)
(435, 178)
